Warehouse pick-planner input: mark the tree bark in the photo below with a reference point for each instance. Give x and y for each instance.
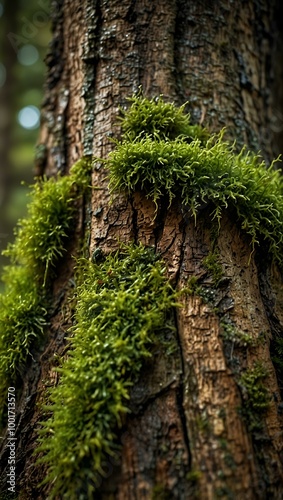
(186, 436)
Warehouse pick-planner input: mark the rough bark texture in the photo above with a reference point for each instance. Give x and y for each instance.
(186, 436)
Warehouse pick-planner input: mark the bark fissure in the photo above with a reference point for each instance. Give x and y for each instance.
(183, 230)
(90, 58)
(180, 397)
(134, 221)
(160, 218)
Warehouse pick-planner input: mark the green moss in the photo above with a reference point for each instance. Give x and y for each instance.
(203, 424)
(192, 286)
(207, 294)
(212, 265)
(39, 241)
(150, 158)
(255, 395)
(121, 303)
(40, 237)
(158, 119)
(194, 476)
(231, 333)
(160, 492)
(22, 320)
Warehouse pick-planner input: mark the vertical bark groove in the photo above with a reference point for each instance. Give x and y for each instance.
(180, 399)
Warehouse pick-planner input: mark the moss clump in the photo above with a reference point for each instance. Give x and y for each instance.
(158, 119)
(121, 303)
(231, 333)
(194, 476)
(212, 265)
(40, 240)
(160, 492)
(255, 394)
(22, 321)
(197, 174)
(40, 237)
(192, 287)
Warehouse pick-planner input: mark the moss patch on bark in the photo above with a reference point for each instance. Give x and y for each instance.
(40, 240)
(181, 164)
(122, 302)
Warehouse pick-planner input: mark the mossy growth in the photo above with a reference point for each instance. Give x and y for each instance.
(255, 395)
(231, 333)
(40, 237)
(194, 287)
(122, 301)
(212, 265)
(194, 476)
(158, 119)
(39, 240)
(203, 424)
(160, 492)
(152, 158)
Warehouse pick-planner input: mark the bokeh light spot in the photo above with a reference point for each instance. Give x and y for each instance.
(28, 117)
(28, 55)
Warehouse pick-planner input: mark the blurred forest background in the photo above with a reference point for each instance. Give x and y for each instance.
(25, 33)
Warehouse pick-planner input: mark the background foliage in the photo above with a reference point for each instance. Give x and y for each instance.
(24, 37)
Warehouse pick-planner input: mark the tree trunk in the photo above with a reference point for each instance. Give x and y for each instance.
(187, 435)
